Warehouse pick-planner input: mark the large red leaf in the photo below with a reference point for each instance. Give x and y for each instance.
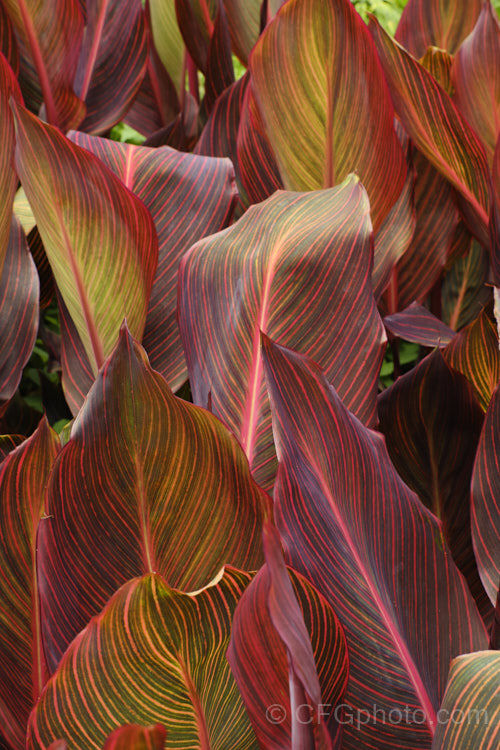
(112, 62)
(350, 525)
(153, 655)
(324, 101)
(438, 129)
(284, 632)
(8, 42)
(51, 32)
(18, 311)
(8, 181)
(417, 324)
(135, 737)
(160, 483)
(431, 421)
(436, 23)
(485, 514)
(188, 198)
(23, 477)
(476, 78)
(298, 267)
(79, 205)
(475, 353)
(219, 72)
(471, 706)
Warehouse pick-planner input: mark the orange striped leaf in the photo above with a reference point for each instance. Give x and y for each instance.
(160, 484)
(297, 267)
(436, 23)
(8, 87)
(135, 737)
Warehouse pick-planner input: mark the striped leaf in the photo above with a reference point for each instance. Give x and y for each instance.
(8, 41)
(366, 542)
(471, 706)
(79, 204)
(465, 289)
(8, 181)
(436, 23)
(168, 40)
(417, 324)
(112, 62)
(54, 56)
(159, 482)
(188, 197)
(244, 25)
(485, 513)
(439, 63)
(8, 443)
(135, 737)
(431, 421)
(438, 129)
(475, 353)
(219, 72)
(476, 78)
(77, 375)
(320, 89)
(495, 217)
(285, 631)
(297, 267)
(18, 311)
(23, 476)
(153, 655)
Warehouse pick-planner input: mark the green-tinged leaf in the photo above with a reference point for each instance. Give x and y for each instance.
(471, 706)
(476, 78)
(465, 290)
(135, 737)
(475, 353)
(188, 197)
(22, 210)
(439, 63)
(147, 483)
(324, 102)
(168, 40)
(244, 25)
(485, 512)
(438, 129)
(18, 311)
(297, 267)
(8, 181)
(112, 62)
(431, 421)
(23, 477)
(366, 542)
(285, 631)
(80, 205)
(436, 23)
(153, 655)
(417, 324)
(54, 56)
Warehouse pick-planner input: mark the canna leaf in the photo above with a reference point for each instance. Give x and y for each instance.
(485, 512)
(134, 737)
(168, 40)
(153, 655)
(417, 324)
(437, 129)
(23, 476)
(436, 23)
(8, 443)
(284, 632)
(8, 181)
(78, 205)
(18, 311)
(465, 290)
(188, 198)
(298, 267)
(476, 78)
(161, 485)
(112, 61)
(351, 526)
(244, 25)
(54, 56)
(324, 102)
(471, 705)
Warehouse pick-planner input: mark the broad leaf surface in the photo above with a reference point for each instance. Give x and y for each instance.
(54, 56)
(485, 514)
(366, 542)
(153, 655)
(188, 197)
(168, 40)
(8, 181)
(160, 483)
(476, 78)
(243, 18)
(23, 477)
(8, 443)
(297, 267)
(419, 325)
(471, 705)
(325, 104)
(112, 62)
(437, 128)
(465, 289)
(135, 737)
(436, 23)
(18, 311)
(79, 205)
(283, 630)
